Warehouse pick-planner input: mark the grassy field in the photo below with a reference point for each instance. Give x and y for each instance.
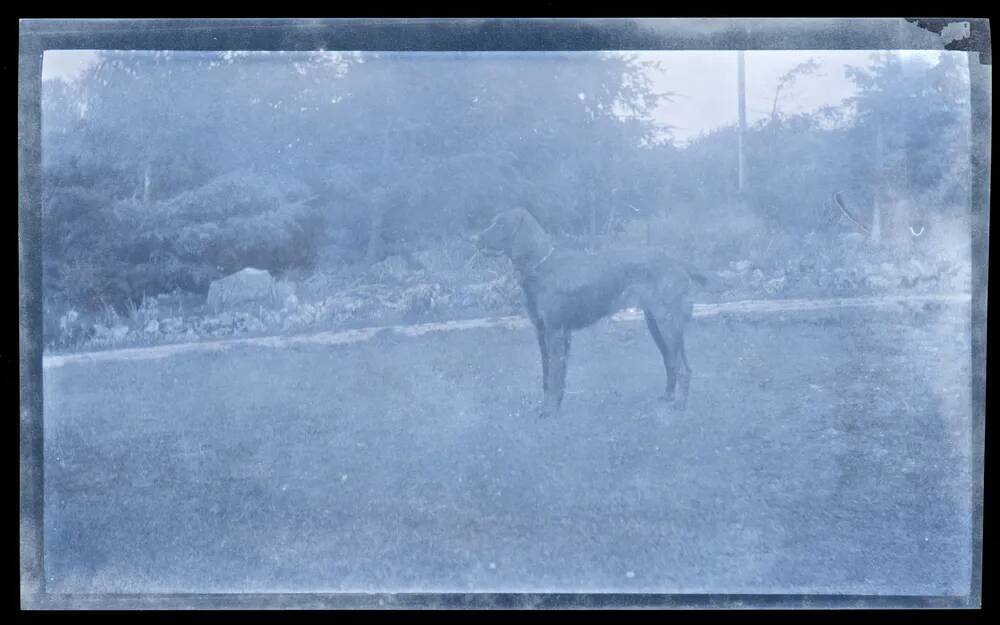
(820, 453)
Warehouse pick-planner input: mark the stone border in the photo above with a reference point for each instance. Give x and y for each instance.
(346, 337)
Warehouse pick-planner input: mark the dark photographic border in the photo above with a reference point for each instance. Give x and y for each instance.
(36, 36)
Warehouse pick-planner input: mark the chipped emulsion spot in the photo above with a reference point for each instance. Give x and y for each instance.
(955, 31)
(949, 32)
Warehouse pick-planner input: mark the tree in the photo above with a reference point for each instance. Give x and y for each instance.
(467, 134)
(165, 169)
(788, 79)
(140, 134)
(915, 116)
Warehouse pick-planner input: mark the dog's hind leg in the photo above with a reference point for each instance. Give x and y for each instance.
(666, 324)
(544, 349)
(683, 372)
(668, 359)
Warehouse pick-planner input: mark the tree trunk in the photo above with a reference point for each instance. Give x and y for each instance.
(876, 233)
(595, 185)
(774, 106)
(374, 252)
(876, 236)
(593, 216)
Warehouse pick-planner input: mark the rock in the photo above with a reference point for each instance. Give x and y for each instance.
(421, 299)
(774, 285)
(880, 282)
(496, 296)
(119, 332)
(101, 335)
(294, 321)
(172, 325)
(726, 274)
(245, 287)
(390, 269)
(962, 277)
(152, 327)
(286, 294)
(433, 260)
(208, 324)
(255, 325)
(920, 268)
(239, 322)
(740, 265)
(343, 306)
(67, 320)
(270, 317)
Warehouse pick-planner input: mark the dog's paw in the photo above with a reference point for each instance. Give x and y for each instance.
(672, 403)
(546, 410)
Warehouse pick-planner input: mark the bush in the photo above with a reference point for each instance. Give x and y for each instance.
(101, 251)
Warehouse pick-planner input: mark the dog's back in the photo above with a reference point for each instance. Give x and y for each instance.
(576, 289)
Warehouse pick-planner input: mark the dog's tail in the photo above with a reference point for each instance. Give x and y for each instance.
(693, 272)
(700, 278)
(650, 267)
(696, 275)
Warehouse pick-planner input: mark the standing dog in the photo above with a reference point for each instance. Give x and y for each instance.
(567, 290)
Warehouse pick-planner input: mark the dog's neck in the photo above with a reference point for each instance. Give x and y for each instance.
(529, 258)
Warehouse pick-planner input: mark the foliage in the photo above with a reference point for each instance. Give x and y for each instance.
(165, 170)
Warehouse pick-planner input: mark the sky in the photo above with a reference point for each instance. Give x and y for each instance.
(705, 82)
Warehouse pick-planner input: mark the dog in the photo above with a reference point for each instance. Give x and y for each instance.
(567, 290)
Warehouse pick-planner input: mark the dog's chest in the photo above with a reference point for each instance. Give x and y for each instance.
(573, 304)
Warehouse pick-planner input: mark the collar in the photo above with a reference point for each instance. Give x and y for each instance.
(544, 258)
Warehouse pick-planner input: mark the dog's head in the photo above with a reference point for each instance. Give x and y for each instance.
(501, 235)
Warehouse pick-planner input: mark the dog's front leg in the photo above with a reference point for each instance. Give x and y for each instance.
(557, 343)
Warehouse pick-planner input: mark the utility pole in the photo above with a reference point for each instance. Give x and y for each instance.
(876, 232)
(742, 99)
(380, 194)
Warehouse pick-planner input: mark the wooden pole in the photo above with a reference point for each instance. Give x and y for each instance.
(742, 101)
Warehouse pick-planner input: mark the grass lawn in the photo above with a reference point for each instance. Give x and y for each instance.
(820, 453)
